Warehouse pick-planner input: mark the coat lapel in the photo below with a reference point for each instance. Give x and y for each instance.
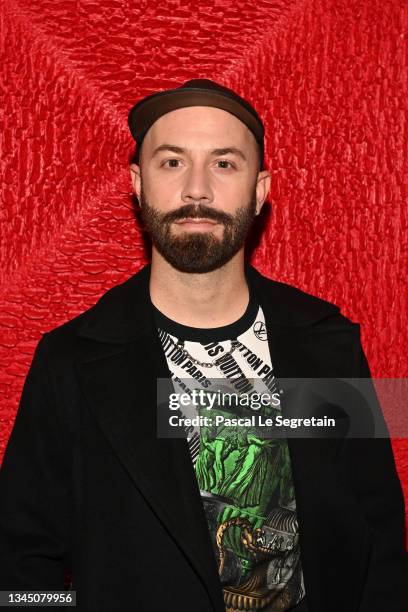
(300, 353)
(121, 393)
(119, 377)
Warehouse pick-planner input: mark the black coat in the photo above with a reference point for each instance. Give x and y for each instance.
(86, 484)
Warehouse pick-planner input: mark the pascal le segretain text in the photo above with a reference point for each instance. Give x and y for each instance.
(258, 420)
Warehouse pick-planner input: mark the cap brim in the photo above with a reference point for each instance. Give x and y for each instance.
(145, 113)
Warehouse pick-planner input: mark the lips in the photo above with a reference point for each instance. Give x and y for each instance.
(197, 220)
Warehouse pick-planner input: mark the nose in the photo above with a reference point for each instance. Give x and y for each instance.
(197, 187)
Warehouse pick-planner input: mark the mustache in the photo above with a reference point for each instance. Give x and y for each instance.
(194, 211)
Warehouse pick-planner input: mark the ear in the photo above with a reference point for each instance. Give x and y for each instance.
(263, 185)
(136, 182)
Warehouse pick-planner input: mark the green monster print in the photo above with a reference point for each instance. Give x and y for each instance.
(246, 481)
(244, 473)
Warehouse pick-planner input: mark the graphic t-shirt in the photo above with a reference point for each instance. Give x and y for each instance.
(245, 478)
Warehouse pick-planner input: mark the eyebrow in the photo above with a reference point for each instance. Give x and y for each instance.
(221, 151)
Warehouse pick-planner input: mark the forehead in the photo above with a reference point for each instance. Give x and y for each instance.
(200, 126)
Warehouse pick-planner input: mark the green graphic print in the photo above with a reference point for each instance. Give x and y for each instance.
(243, 472)
(248, 494)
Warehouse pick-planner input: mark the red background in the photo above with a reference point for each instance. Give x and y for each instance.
(329, 78)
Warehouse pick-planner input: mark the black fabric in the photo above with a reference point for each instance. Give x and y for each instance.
(87, 486)
(301, 606)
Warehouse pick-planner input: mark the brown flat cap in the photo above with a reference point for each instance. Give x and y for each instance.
(197, 92)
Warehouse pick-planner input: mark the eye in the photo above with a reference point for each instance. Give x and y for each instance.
(225, 164)
(171, 163)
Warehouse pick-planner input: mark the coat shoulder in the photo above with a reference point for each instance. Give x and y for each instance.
(294, 306)
(65, 340)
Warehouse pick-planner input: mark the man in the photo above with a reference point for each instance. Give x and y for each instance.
(217, 521)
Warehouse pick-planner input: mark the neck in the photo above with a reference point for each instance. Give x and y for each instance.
(208, 300)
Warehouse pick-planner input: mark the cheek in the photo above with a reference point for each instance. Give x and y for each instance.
(160, 193)
(231, 196)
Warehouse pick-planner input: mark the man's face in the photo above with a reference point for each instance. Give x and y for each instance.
(199, 187)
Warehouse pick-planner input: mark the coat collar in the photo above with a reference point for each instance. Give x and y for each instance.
(123, 312)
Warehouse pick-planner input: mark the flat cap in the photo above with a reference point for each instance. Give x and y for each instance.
(196, 92)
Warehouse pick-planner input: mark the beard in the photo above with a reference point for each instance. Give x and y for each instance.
(197, 252)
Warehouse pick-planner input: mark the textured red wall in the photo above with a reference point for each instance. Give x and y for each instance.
(329, 78)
